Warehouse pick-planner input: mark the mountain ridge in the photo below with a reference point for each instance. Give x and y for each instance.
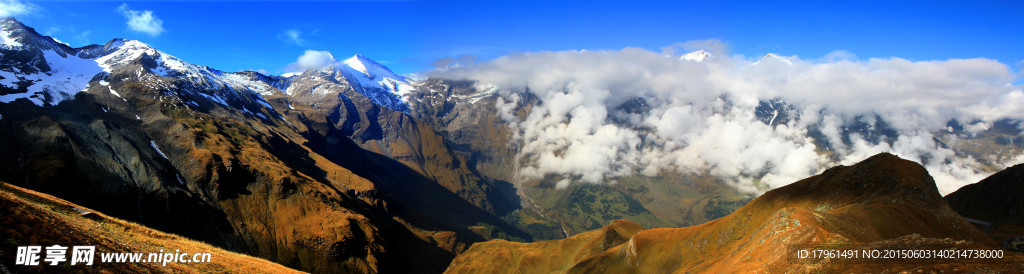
(47, 218)
(995, 205)
(374, 80)
(880, 202)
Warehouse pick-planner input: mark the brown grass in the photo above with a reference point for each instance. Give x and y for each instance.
(46, 220)
(500, 256)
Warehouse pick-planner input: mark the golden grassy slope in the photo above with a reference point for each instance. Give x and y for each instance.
(32, 218)
(881, 203)
(500, 256)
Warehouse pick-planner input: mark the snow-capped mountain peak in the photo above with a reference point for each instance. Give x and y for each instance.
(774, 58)
(358, 63)
(119, 51)
(15, 34)
(38, 68)
(378, 82)
(370, 68)
(696, 56)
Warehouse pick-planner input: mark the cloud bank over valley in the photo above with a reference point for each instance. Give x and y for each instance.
(757, 123)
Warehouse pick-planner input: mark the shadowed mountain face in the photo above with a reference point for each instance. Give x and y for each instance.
(997, 202)
(882, 202)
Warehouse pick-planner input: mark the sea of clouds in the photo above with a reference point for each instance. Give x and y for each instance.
(702, 118)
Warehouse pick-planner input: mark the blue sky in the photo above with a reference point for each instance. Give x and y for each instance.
(408, 36)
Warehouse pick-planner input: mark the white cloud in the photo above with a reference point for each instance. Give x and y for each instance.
(701, 114)
(142, 21)
(311, 59)
(562, 184)
(16, 8)
(292, 36)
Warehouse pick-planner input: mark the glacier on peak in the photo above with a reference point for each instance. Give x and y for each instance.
(69, 75)
(7, 39)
